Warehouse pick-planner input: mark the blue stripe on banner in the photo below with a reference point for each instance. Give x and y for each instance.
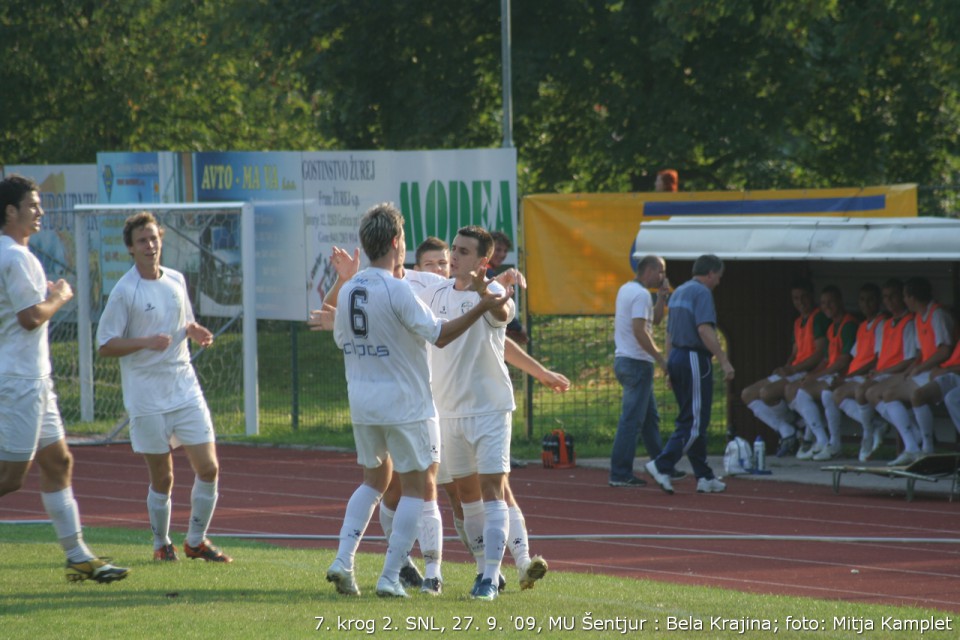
(765, 207)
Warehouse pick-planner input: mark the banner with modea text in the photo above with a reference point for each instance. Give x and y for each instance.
(578, 247)
(306, 203)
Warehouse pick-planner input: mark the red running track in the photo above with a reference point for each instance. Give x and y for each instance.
(267, 490)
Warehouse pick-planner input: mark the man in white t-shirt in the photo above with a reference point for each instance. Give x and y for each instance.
(146, 323)
(382, 328)
(30, 424)
(474, 398)
(636, 358)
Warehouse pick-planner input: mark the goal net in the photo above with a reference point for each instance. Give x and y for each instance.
(212, 244)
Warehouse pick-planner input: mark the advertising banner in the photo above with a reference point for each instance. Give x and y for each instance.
(588, 238)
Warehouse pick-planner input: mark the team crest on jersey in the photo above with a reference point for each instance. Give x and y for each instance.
(465, 306)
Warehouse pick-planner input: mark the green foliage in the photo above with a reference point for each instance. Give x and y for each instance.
(744, 94)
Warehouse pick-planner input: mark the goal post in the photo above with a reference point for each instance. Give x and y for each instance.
(213, 244)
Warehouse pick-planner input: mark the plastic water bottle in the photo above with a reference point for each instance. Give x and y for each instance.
(760, 454)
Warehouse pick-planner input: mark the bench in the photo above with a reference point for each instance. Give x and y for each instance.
(930, 468)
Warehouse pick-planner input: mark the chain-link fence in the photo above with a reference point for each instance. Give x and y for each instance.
(302, 386)
(582, 348)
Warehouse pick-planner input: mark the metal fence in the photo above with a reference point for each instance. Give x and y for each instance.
(302, 385)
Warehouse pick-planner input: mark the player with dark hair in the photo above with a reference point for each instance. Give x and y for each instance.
(934, 331)
(804, 394)
(30, 424)
(765, 398)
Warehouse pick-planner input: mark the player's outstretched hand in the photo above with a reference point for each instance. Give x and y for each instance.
(479, 282)
(490, 300)
(345, 265)
(512, 277)
(322, 319)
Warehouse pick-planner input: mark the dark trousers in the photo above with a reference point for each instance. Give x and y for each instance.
(691, 376)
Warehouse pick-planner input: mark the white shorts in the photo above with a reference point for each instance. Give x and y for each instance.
(921, 378)
(947, 382)
(857, 379)
(160, 432)
(476, 444)
(411, 446)
(443, 473)
(793, 377)
(29, 418)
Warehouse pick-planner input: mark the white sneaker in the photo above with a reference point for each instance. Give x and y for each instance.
(711, 485)
(823, 455)
(388, 589)
(904, 458)
(533, 571)
(342, 578)
(662, 479)
(807, 454)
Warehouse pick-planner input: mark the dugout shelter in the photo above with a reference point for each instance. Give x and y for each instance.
(763, 256)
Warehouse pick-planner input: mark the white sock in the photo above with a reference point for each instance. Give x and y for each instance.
(834, 416)
(807, 408)
(924, 416)
(406, 525)
(359, 512)
(900, 418)
(431, 538)
(769, 416)
(461, 531)
(203, 500)
(158, 508)
(386, 520)
(864, 415)
(517, 540)
(473, 526)
(64, 514)
(850, 407)
(881, 409)
(494, 538)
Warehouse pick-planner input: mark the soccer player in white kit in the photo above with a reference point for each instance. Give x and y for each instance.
(382, 328)
(474, 398)
(146, 324)
(30, 424)
(432, 267)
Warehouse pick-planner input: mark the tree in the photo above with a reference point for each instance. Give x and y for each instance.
(140, 75)
(733, 93)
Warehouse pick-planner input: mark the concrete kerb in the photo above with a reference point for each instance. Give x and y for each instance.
(789, 469)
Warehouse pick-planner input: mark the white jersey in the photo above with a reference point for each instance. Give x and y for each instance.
(153, 381)
(633, 301)
(470, 377)
(23, 354)
(383, 329)
(420, 280)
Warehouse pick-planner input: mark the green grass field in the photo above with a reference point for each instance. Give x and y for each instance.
(274, 592)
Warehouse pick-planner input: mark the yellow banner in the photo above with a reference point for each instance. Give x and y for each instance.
(577, 247)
